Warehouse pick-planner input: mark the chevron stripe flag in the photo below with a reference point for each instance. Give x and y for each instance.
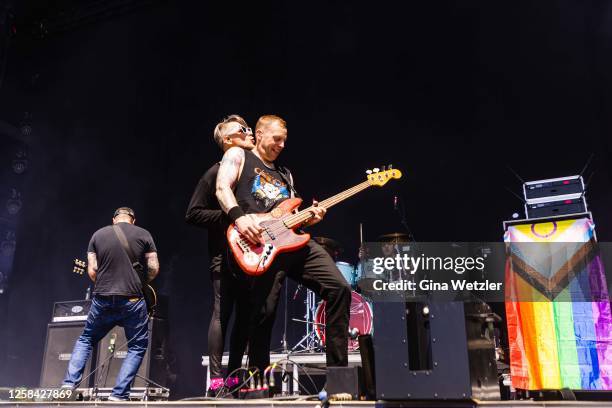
(558, 323)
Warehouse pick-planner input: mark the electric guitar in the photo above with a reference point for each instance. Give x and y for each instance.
(279, 225)
(149, 294)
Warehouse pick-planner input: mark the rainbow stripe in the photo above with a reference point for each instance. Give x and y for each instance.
(565, 342)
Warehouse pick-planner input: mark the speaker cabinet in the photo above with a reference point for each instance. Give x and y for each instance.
(60, 341)
(434, 351)
(154, 364)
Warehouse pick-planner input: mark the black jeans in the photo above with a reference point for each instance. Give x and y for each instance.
(312, 267)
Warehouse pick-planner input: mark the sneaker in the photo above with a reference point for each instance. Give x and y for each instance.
(115, 398)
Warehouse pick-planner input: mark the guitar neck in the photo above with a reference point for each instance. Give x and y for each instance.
(305, 214)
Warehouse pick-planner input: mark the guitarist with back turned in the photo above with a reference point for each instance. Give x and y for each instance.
(249, 182)
(117, 297)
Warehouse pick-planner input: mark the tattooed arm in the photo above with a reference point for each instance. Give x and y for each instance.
(229, 172)
(152, 265)
(92, 265)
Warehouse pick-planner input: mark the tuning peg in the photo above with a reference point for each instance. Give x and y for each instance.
(376, 170)
(390, 166)
(368, 172)
(383, 168)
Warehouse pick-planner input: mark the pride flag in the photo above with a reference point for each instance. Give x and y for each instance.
(557, 308)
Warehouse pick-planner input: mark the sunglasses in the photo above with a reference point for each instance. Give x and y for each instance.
(245, 130)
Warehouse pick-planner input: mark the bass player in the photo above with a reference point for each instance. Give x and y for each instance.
(250, 182)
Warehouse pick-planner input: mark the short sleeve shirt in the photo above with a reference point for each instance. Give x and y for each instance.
(115, 275)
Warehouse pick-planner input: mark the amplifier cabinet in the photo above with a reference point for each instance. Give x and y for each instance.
(60, 341)
(553, 189)
(556, 208)
(154, 364)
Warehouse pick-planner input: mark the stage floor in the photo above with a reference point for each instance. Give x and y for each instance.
(314, 404)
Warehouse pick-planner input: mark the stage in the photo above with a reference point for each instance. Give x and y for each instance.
(267, 403)
(299, 363)
(457, 155)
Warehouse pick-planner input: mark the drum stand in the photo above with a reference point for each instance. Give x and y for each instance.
(310, 342)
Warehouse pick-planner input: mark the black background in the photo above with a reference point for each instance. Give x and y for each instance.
(123, 103)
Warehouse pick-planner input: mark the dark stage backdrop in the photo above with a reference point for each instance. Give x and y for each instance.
(122, 105)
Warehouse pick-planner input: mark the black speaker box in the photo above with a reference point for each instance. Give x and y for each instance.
(434, 351)
(154, 364)
(58, 349)
(366, 350)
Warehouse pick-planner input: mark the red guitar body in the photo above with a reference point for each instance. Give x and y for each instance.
(253, 259)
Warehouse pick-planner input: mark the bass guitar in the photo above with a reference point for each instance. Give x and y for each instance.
(279, 226)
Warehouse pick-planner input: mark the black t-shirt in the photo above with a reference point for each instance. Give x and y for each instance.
(204, 211)
(115, 274)
(259, 188)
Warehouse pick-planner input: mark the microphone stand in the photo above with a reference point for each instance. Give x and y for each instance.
(401, 212)
(400, 208)
(284, 340)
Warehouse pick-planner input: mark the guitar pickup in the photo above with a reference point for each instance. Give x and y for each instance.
(270, 234)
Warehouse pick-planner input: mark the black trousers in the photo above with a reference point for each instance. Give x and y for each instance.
(312, 267)
(226, 290)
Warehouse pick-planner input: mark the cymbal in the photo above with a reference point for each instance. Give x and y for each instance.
(394, 237)
(328, 242)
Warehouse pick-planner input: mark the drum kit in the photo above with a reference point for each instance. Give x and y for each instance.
(361, 313)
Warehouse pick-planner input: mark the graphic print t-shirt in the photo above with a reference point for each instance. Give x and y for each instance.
(115, 273)
(259, 188)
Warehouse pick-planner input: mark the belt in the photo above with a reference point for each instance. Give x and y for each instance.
(130, 298)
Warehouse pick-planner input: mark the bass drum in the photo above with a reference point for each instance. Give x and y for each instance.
(348, 271)
(361, 318)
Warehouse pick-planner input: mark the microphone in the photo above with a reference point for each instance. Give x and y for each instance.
(395, 203)
(111, 344)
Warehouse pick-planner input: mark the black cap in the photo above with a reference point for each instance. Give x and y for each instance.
(126, 211)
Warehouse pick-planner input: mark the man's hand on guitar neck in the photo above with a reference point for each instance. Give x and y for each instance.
(317, 214)
(248, 227)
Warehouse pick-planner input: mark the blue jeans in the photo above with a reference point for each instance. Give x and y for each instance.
(107, 312)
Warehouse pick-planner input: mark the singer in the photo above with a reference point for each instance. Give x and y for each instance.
(118, 298)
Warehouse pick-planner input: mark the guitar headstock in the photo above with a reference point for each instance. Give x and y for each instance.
(378, 177)
(79, 266)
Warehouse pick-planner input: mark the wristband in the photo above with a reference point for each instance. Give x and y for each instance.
(235, 212)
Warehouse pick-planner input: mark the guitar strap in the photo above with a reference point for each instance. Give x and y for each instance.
(128, 251)
(287, 178)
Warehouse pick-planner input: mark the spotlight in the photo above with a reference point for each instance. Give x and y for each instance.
(20, 162)
(7, 249)
(13, 204)
(425, 311)
(25, 126)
